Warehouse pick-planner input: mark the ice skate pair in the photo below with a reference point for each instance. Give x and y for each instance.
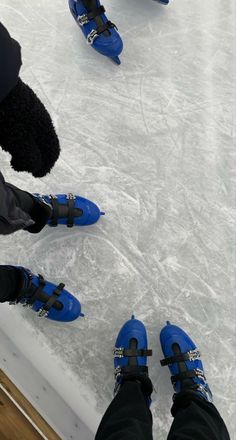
(99, 32)
(180, 354)
(20, 285)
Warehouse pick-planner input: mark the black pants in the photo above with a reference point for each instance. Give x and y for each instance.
(12, 215)
(129, 418)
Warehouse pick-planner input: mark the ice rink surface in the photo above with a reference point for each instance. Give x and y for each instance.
(152, 143)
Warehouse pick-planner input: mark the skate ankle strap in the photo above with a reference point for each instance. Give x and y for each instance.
(129, 352)
(55, 212)
(188, 375)
(43, 312)
(191, 355)
(99, 30)
(70, 204)
(69, 210)
(131, 369)
(91, 15)
(39, 295)
(105, 27)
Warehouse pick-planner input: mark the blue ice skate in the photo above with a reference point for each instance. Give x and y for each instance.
(70, 210)
(130, 355)
(183, 359)
(47, 299)
(163, 2)
(100, 33)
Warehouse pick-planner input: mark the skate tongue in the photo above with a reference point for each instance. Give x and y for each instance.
(185, 383)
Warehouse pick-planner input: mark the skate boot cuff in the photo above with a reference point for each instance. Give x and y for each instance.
(92, 14)
(31, 293)
(40, 214)
(184, 376)
(193, 381)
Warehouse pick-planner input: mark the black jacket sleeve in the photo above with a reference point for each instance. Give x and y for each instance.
(12, 217)
(10, 62)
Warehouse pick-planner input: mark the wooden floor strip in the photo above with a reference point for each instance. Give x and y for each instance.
(19, 420)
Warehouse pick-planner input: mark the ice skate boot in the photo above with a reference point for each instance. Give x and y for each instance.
(47, 299)
(130, 357)
(100, 33)
(69, 210)
(163, 2)
(183, 360)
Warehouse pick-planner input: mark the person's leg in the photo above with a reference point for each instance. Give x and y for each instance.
(195, 417)
(128, 416)
(38, 212)
(10, 279)
(21, 210)
(13, 215)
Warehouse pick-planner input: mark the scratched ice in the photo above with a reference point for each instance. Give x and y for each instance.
(152, 143)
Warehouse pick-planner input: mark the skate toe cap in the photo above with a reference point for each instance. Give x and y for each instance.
(71, 310)
(109, 46)
(172, 334)
(132, 329)
(91, 213)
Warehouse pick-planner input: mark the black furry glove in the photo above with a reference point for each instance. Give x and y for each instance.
(27, 132)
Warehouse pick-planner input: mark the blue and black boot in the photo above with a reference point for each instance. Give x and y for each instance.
(163, 2)
(47, 299)
(61, 209)
(99, 32)
(130, 357)
(183, 360)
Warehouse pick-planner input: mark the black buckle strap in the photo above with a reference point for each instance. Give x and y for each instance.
(37, 292)
(127, 369)
(57, 207)
(105, 27)
(188, 375)
(95, 12)
(191, 355)
(129, 352)
(53, 298)
(91, 15)
(138, 352)
(100, 29)
(55, 211)
(71, 205)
